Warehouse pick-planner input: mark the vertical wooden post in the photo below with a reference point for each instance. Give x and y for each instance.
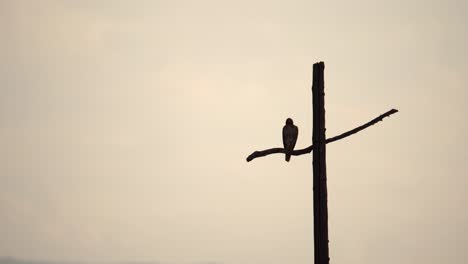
(319, 167)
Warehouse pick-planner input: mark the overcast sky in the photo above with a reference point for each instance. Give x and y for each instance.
(124, 128)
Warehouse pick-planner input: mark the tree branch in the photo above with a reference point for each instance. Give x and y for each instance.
(262, 153)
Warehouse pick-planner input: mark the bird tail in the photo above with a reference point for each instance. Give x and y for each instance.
(288, 157)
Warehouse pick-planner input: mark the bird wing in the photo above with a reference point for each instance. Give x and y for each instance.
(294, 135)
(285, 137)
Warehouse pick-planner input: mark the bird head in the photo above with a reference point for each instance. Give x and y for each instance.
(289, 121)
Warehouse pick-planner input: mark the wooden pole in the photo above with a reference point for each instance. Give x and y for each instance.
(319, 167)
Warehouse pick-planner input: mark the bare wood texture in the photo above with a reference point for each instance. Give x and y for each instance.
(321, 251)
(298, 152)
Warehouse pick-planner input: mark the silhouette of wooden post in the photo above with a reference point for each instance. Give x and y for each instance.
(321, 254)
(319, 166)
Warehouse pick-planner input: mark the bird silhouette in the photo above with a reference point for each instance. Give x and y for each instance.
(290, 133)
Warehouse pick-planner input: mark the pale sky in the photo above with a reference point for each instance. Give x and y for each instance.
(124, 128)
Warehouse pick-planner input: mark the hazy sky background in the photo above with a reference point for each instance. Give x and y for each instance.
(124, 128)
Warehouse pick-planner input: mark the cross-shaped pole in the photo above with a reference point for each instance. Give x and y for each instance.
(319, 141)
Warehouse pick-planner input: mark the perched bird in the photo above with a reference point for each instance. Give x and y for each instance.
(290, 132)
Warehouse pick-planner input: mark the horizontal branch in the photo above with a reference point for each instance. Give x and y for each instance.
(262, 153)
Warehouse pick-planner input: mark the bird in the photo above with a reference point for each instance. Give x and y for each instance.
(290, 133)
